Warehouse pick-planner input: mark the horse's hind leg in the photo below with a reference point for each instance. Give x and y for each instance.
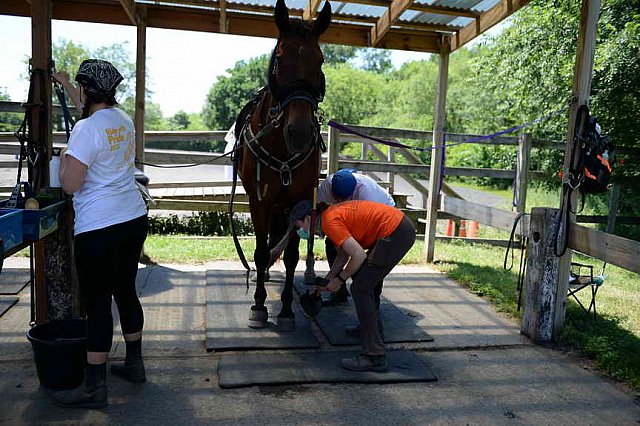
(259, 314)
(286, 318)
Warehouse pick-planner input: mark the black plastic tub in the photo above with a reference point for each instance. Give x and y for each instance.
(60, 351)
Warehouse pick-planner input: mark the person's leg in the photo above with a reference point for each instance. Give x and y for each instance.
(132, 236)
(93, 256)
(366, 290)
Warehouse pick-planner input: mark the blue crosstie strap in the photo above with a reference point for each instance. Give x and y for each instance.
(474, 139)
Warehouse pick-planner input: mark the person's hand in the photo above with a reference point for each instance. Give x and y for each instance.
(334, 285)
(61, 77)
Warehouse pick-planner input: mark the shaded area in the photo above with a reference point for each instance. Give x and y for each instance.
(13, 280)
(6, 303)
(228, 306)
(244, 370)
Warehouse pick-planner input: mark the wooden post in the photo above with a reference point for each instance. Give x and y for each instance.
(524, 157)
(614, 199)
(364, 151)
(541, 280)
(141, 61)
(436, 154)
(55, 293)
(333, 154)
(391, 158)
(582, 75)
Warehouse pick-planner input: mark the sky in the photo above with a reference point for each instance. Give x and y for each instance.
(181, 65)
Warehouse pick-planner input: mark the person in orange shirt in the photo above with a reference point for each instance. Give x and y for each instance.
(371, 238)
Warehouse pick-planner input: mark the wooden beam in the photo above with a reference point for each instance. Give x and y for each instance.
(311, 10)
(141, 66)
(437, 153)
(129, 7)
(522, 175)
(224, 24)
(333, 151)
(426, 8)
(388, 18)
(583, 70)
(612, 249)
(486, 20)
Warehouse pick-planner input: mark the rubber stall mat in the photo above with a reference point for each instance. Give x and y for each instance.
(242, 370)
(228, 305)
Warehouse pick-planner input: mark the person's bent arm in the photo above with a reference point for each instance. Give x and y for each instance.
(62, 77)
(338, 264)
(357, 256)
(72, 173)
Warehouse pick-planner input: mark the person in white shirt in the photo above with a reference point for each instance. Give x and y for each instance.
(111, 224)
(347, 185)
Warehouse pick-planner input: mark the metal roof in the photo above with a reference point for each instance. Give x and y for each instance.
(420, 25)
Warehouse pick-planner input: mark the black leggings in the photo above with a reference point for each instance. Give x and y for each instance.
(107, 264)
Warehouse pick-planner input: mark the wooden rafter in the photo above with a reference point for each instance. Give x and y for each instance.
(440, 10)
(129, 7)
(223, 17)
(388, 18)
(311, 10)
(488, 19)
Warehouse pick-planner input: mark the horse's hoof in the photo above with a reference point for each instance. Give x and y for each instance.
(258, 318)
(286, 324)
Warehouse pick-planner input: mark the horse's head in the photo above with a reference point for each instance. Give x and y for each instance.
(295, 75)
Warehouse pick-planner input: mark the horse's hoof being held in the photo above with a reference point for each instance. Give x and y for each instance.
(258, 317)
(286, 324)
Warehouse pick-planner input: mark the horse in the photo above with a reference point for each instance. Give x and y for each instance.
(278, 151)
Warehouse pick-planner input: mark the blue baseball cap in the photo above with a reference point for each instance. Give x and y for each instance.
(343, 183)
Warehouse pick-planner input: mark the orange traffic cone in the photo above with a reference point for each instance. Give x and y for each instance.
(450, 228)
(474, 227)
(463, 229)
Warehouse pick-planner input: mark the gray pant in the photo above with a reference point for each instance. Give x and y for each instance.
(385, 254)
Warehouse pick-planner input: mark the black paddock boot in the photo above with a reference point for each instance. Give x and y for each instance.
(92, 393)
(133, 367)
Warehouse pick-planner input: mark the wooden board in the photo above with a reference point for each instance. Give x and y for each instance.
(242, 370)
(228, 305)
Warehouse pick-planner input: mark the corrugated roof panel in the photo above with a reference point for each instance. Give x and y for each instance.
(363, 10)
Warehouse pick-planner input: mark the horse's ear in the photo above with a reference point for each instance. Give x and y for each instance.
(324, 19)
(282, 16)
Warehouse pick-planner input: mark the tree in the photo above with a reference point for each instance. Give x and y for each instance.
(179, 121)
(230, 93)
(338, 54)
(9, 121)
(376, 60)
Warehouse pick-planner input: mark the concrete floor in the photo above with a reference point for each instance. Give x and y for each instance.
(487, 373)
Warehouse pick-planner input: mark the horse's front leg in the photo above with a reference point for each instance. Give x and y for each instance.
(286, 318)
(259, 314)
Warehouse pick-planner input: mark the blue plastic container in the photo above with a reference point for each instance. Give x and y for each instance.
(37, 224)
(10, 228)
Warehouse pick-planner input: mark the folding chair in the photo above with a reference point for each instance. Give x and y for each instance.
(579, 281)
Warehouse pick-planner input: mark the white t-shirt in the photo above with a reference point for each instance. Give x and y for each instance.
(366, 189)
(105, 143)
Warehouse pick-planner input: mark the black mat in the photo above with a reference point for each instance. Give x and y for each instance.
(242, 370)
(13, 280)
(398, 326)
(6, 304)
(228, 305)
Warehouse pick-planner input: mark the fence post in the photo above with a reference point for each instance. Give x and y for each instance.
(522, 171)
(141, 66)
(541, 280)
(614, 198)
(436, 154)
(333, 154)
(391, 157)
(364, 151)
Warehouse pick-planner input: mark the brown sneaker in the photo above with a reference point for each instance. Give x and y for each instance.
(366, 363)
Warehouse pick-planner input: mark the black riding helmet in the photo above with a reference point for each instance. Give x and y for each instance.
(99, 77)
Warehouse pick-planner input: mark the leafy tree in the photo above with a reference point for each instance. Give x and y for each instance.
(179, 121)
(338, 54)
(230, 93)
(376, 60)
(9, 121)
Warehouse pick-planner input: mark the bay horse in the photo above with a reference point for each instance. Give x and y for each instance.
(278, 150)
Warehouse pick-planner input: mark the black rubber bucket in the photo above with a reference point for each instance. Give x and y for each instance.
(60, 351)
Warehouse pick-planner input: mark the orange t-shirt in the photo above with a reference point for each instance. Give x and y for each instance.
(365, 221)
